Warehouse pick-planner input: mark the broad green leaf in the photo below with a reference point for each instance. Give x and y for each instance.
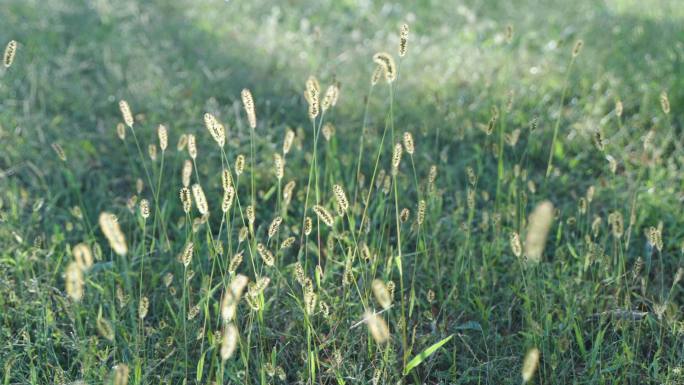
(417, 360)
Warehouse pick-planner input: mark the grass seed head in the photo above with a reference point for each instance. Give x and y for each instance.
(163, 135)
(10, 52)
(110, 227)
(200, 199)
(324, 215)
(248, 104)
(126, 113)
(539, 225)
(403, 39)
(530, 364)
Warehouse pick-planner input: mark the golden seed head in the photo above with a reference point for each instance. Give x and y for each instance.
(516, 247)
(530, 364)
(121, 131)
(420, 217)
(665, 102)
(144, 208)
(403, 39)
(249, 212)
(73, 281)
(472, 178)
(310, 300)
(139, 184)
(229, 341)
(168, 279)
(200, 199)
(10, 51)
(192, 146)
(186, 257)
(577, 48)
(83, 256)
(152, 150)
(248, 104)
(408, 143)
(112, 231)
(231, 297)
(239, 164)
(182, 142)
(143, 307)
(381, 293)
(377, 327)
(328, 131)
(235, 262)
(341, 199)
(266, 254)
(307, 225)
(324, 215)
(104, 328)
(430, 296)
(404, 215)
(377, 72)
(396, 158)
(163, 135)
(59, 151)
(330, 97)
(226, 179)
(386, 61)
(274, 226)
(278, 166)
(299, 273)
(287, 243)
(539, 225)
(120, 374)
(288, 192)
(228, 196)
(287, 142)
(215, 128)
(313, 88)
(185, 199)
(126, 113)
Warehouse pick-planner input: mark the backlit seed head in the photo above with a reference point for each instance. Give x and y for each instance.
(110, 227)
(144, 208)
(242, 235)
(185, 199)
(530, 364)
(538, 228)
(307, 225)
(577, 48)
(420, 217)
(403, 39)
(59, 151)
(381, 293)
(168, 279)
(408, 143)
(10, 51)
(200, 199)
(516, 247)
(232, 296)
(249, 212)
(324, 215)
(287, 142)
(143, 307)
(287, 192)
(182, 142)
(377, 72)
(404, 215)
(163, 135)
(152, 151)
(226, 179)
(229, 341)
(278, 166)
(330, 97)
(341, 199)
(266, 255)
(328, 131)
(228, 196)
(430, 296)
(248, 104)
(310, 300)
(139, 184)
(104, 328)
(83, 256)
(386, 61)
(126, 113)
(73, 281)
(377, 327)
(235, 262)
(121, 131)
(274, 226)
(192, 146)
(287, 243)
(120, 374)
(215, 128)
(186, 257)
(665, 102)
(239, 164)
(396, 158)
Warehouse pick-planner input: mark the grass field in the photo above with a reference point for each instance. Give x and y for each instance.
(278, 193)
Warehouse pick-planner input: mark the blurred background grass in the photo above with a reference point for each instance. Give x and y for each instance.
(174, 60)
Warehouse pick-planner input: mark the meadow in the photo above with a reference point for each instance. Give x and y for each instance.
(341, 192)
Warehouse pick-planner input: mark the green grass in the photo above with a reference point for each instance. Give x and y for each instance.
(602, 306)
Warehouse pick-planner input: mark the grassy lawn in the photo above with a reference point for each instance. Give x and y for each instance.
(503, 204)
